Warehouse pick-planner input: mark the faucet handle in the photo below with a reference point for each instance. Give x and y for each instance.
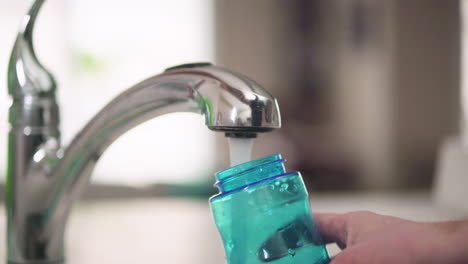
(26, 75)
(32, 88)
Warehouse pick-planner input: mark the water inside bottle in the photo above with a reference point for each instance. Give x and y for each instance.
(240, 150)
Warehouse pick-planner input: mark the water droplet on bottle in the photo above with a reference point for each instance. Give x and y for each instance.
(284, 187)
(230, 245)
(294, 188)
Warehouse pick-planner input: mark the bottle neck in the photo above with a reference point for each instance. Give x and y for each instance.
(246, 174)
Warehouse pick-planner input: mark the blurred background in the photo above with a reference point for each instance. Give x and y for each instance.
(369, 90)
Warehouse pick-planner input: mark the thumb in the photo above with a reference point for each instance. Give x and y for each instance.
(332, 227)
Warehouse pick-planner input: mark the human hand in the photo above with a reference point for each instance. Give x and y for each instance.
(369, 238)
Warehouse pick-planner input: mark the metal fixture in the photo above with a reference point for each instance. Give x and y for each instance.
(44, 179)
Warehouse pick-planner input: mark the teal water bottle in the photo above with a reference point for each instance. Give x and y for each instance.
(263, 215)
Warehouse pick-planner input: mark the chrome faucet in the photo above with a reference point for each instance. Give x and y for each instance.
(45, 179)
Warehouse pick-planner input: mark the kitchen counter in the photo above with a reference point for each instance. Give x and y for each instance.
(170, 230)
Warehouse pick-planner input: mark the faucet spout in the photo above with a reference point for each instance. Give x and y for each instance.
(229, 102)
(45, 179)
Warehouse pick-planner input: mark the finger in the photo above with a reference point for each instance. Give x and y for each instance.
(332, 227)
